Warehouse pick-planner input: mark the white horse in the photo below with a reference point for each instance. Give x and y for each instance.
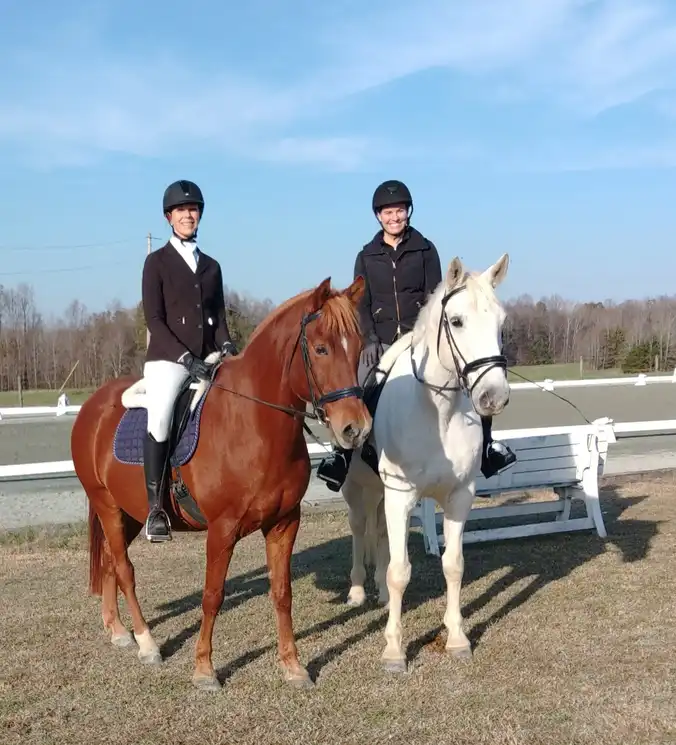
(427, 434)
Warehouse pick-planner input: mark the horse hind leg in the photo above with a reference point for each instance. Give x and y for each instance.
(110, 567)
(357, 519)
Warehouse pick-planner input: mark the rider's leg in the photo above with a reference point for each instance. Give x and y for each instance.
(334, 467)
(495, 456)
(163, 382)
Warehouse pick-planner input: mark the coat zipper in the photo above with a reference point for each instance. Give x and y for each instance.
(396, 296)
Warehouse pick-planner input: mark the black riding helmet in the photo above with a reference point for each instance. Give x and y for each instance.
(182, 192)
(391, 192)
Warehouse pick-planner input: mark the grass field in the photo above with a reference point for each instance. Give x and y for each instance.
(573, 638)
(570, 371)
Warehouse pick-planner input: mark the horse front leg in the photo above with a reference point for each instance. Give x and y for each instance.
(456, 511)
(221, 539)
(398, 507)
(279, 542)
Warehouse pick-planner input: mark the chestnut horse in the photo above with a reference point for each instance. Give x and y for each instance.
(249, 472)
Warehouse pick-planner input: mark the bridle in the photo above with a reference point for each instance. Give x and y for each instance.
(316, 401)
(463, 369)
(327, 398)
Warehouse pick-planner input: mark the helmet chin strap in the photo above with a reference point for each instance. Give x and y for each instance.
(192, 239)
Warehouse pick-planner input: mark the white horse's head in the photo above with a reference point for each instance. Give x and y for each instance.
(462, 326)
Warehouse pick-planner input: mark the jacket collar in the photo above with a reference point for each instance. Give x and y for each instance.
(412, 240)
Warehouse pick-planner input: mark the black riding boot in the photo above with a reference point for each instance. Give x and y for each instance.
(495, 456)
(158, 526)
(333, 469)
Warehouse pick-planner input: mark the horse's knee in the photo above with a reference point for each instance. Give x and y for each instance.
(453, 565)
(212, 600)
(399, 575)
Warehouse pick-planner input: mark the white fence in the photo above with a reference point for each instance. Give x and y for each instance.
(64, 468)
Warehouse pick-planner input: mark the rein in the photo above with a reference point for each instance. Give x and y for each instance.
(318, 413)
(462, 373)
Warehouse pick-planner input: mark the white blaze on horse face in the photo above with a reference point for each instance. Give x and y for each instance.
(343, 342)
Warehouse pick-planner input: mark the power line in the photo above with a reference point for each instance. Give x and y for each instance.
(66, 247)
(63, 269)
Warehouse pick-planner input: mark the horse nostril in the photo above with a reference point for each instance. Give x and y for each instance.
(349, 431)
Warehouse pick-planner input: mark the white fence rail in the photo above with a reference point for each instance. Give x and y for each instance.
(547, 384)
(65, 468)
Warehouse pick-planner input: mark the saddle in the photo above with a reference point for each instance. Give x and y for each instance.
(183, 434)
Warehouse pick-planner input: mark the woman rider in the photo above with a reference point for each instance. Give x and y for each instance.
(184, 308)
(401, 268)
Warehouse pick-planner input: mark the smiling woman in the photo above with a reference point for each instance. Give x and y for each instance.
(184, 308)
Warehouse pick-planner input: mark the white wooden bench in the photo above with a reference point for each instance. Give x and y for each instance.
(567, 460)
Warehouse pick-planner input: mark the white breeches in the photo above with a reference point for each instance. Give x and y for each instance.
(163, 381)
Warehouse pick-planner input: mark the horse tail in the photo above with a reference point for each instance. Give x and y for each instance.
(96, 540)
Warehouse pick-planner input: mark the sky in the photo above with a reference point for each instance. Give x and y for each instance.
(541, 128)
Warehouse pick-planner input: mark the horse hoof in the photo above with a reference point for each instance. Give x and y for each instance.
(300, 680)
(123, 641)
(152, 658)
(394, 666)
(356, 599)
(463, 654)
(206, 683)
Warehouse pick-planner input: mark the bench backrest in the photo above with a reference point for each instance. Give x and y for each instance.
(551, 459)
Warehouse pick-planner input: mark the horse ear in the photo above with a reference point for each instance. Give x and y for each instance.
(454, 274)
(496, 274)
(321, 294)
(356, 290)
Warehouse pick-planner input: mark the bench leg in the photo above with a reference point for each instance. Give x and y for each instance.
(565, 496)
(593, 505)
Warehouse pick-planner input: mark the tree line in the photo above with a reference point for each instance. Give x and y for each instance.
(634, 336)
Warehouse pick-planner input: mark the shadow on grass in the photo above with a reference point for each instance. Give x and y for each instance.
(540, 560)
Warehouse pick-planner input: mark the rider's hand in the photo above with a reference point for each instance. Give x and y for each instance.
(196, 367)
(371, 354)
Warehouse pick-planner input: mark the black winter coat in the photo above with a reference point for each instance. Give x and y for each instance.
(398, 281)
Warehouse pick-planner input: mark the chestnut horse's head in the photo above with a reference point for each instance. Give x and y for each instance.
(325, 372)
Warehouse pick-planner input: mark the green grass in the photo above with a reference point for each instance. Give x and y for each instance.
(559, 371)
(43, 398)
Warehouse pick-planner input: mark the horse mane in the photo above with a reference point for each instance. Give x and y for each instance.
(338, 316)
(430, 312)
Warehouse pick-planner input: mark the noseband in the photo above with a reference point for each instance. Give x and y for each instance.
(463, 369)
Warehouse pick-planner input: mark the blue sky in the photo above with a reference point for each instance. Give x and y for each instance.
(542, 128)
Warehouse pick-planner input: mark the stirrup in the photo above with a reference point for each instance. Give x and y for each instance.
(164, 534)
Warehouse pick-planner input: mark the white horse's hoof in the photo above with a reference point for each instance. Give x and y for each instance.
(464, 654)
(394, 666)
(356, 598)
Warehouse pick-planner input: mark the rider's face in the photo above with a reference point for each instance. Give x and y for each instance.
(184, 220)
(394, 218)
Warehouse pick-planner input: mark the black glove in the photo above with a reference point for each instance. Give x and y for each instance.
(371, 354)
(196, 367)
(228, 349)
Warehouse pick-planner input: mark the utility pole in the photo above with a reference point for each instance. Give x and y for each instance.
(150, 238)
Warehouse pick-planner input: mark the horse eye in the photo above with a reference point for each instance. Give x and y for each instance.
(321, 349)
(456, 322)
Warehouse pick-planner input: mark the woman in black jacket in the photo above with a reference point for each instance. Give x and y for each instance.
(184, 308)
(401, 268)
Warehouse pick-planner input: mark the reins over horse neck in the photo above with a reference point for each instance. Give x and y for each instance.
(317, 402)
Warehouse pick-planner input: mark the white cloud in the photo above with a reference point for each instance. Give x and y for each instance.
(584, 55)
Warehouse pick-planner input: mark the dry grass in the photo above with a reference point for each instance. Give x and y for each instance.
(573, 640)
